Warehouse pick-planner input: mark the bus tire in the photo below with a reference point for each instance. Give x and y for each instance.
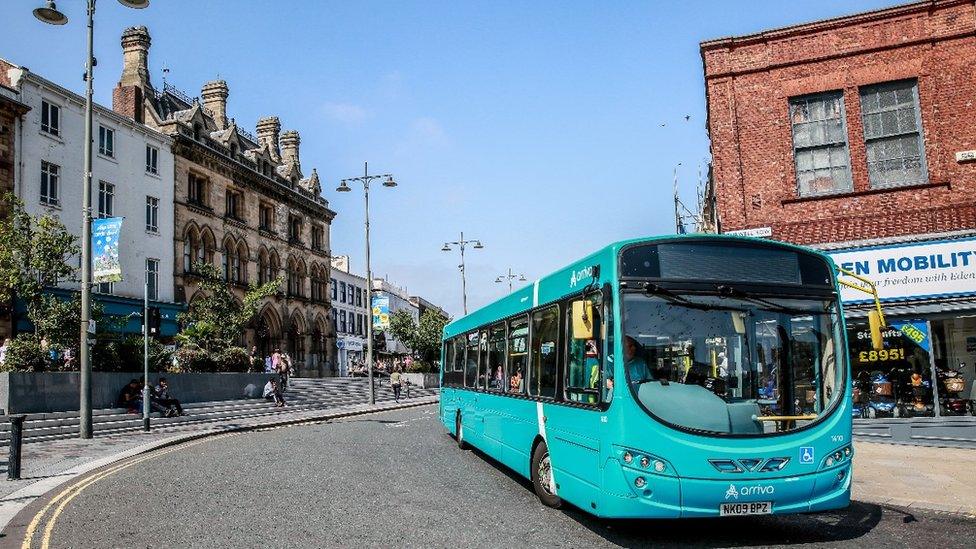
(542, 480)
(459, 432)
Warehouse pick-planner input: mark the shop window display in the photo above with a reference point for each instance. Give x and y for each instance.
(895, 381)
(954, 349)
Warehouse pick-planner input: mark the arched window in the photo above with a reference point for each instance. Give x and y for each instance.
(292, 277)
(274, 266)
(242, 259)
(232, 265)
(192, 249)
(264, 272)
(208, 243)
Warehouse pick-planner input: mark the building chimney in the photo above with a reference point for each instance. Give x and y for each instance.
(127, 97)
(214, 95)
(268, 129)
(290, 141)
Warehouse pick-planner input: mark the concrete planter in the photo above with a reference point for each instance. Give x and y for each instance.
(41, 392)
(425, 381)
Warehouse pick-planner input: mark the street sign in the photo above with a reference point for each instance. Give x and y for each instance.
(806, 454)
(91, 326)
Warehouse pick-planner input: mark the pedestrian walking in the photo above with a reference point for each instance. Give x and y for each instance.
(396, 379)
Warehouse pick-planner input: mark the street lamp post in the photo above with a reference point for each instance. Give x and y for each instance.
(461, 243)
(344, 188)
(50, 14)
(510, 277)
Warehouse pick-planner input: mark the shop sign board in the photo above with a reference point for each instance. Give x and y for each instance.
(758, 232)
(913, 271)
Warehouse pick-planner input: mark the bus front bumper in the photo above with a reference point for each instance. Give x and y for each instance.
(673, 497)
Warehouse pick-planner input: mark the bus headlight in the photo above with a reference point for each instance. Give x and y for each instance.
(640, 482)
(839, 456)
(628, 458)
(659, 466)
(645, 461)
(638, 460)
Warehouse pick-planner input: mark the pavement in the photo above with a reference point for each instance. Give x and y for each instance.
(915, 477)
(396, 479)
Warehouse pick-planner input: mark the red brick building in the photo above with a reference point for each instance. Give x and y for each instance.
(855, 135)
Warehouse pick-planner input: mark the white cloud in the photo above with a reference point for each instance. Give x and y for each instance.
(347, 113)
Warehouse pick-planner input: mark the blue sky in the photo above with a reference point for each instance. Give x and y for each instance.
(546, 129)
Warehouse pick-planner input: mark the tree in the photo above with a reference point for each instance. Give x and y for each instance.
(424, 339)
(403, 328)
(217, 320)
(427, 343)
(35, 253)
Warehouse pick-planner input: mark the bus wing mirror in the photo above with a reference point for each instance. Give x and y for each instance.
(582, 319)
(875, 323)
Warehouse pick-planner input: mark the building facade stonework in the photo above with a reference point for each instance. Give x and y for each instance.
(242, 203)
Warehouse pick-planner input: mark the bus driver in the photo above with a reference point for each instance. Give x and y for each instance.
(634, 363)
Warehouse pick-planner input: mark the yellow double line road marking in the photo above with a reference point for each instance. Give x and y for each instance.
(69, 493)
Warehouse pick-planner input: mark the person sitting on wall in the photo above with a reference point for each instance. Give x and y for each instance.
(130, 397)
(154, 404)
(163, 397)
(272, 392)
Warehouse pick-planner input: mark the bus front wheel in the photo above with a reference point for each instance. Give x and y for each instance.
(542, 479)
(459, 432)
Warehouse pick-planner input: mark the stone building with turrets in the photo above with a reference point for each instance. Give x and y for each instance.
(243, 203)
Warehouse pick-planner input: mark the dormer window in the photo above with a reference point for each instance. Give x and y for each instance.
(197, 129)
(233, 150)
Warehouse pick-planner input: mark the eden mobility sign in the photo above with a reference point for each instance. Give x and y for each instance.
(932, 269)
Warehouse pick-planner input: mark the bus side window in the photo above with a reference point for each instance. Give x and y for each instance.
(471, 361)
(545, 352)
(518, 335)
(448, 366)
(497, 378)
(483, 367)
(457, 375)
(584, 360)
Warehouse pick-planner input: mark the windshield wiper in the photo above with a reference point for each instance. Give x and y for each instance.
(730, 291)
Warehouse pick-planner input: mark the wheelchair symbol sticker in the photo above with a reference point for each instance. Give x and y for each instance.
(806, 454)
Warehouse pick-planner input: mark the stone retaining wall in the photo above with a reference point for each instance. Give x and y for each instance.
(40, 392)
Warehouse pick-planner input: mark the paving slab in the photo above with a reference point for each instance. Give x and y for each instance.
(924, 477)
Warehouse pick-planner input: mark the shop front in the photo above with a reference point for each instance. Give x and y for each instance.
(350, 353)
(920, 387)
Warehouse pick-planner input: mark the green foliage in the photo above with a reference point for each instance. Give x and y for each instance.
(424, 339)
(403, 328)
(192, 358)
(217, 320)
(421, 367)
(24, 354)
(233, 359)
(35, 253)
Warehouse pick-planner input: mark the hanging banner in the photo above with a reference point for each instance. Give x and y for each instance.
(381, 312)
(106, 266)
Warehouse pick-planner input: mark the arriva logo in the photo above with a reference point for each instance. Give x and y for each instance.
(734, 493)
(579, 275)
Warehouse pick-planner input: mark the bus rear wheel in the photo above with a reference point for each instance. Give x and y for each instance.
(459, 432)
(542, 479)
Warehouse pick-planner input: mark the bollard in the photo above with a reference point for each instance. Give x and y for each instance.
(16, 441)
(408, 389)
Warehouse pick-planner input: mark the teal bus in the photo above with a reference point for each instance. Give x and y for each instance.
(680, 376)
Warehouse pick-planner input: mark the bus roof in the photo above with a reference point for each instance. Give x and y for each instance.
(576, 276)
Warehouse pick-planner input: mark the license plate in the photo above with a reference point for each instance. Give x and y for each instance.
(745, 508)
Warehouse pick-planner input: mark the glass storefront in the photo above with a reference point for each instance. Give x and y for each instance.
(926, 368)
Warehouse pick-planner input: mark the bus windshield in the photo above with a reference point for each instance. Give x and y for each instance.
(742, 365)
